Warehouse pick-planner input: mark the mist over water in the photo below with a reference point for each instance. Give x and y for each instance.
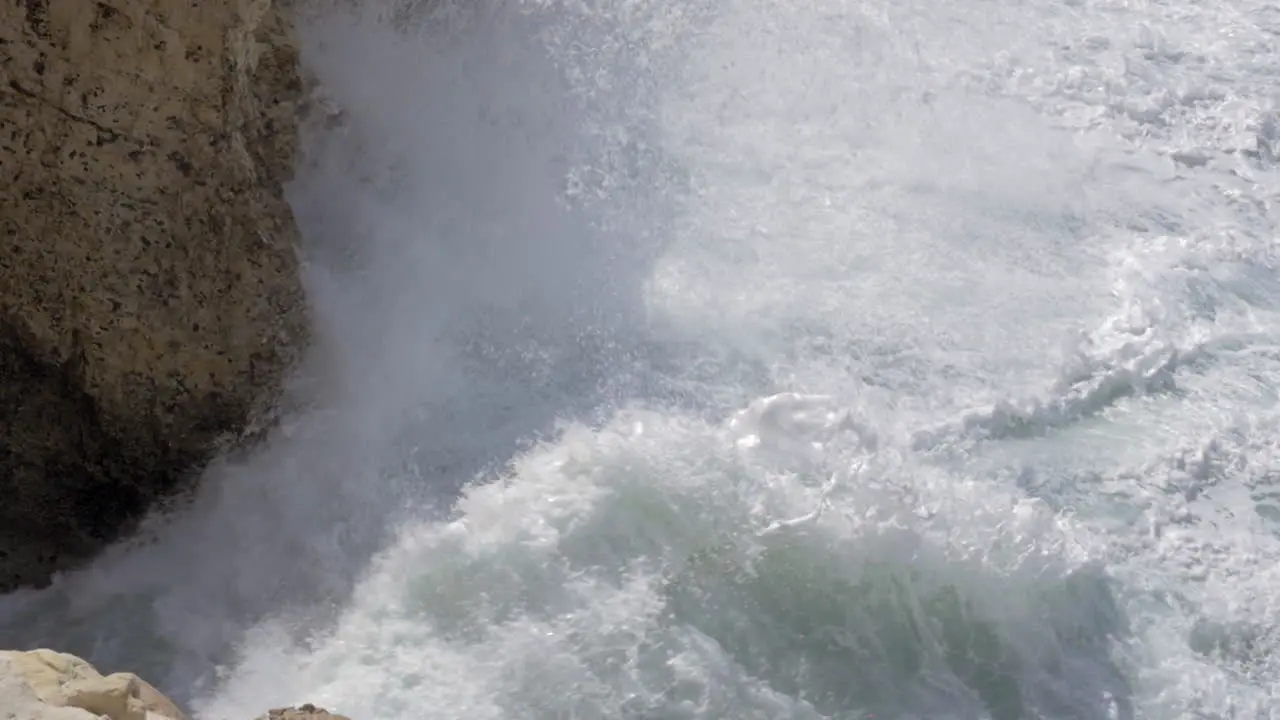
(750, 359)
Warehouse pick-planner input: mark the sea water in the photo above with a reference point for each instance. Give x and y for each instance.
(751, 359)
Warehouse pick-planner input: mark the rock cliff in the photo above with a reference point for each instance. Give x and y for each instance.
(149, 297)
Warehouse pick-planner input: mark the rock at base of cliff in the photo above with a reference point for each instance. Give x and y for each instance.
(49, 685)
(302, 712)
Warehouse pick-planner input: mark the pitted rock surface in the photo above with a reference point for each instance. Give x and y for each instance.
(149, 298)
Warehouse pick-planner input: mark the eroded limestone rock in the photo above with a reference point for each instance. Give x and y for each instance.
(48, 685)
(149, 297)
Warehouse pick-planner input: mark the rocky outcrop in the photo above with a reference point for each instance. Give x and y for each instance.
(149, 297)
(48, 685)
(302, 712)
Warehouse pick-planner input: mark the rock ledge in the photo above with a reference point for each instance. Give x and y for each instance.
(49, 685)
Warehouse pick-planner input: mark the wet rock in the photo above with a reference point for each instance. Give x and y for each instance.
(150, 304)
(302, 712)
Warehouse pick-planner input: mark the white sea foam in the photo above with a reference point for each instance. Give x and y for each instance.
(750, 359)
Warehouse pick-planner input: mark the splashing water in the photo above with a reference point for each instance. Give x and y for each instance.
(746, 359)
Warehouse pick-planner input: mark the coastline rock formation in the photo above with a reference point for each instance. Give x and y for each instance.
(49, 685)
(150, 303)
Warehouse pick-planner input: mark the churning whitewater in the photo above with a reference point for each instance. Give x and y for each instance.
(739, 359)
